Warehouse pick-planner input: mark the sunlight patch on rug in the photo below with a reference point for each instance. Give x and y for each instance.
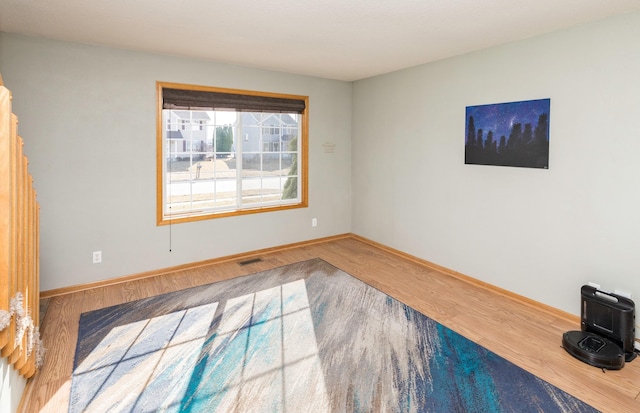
(305, 337)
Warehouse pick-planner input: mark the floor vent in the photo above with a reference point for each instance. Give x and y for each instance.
(251, 261)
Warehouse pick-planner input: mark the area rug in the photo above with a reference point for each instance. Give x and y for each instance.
(305, 337)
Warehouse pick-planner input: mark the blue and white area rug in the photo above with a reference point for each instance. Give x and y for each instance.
(305, 337)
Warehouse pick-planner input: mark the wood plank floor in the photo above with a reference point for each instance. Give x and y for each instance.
(522, 332)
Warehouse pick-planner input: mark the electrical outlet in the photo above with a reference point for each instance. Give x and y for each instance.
(97, 257)
(314, 222)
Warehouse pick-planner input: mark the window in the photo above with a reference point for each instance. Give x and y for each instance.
(228, 152)
(271, 130)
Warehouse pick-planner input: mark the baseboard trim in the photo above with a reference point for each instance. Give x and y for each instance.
(154, 273)
(252, 254)
(474, 281)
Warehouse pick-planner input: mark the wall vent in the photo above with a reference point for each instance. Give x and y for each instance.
(250, 261)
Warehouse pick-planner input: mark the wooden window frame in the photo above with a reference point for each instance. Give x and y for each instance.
(303, 185)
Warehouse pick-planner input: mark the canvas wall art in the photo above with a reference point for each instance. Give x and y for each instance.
(508, 134)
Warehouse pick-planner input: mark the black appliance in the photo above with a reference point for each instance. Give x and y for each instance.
(607, 330)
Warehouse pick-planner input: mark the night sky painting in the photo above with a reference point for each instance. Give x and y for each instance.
(508, 134)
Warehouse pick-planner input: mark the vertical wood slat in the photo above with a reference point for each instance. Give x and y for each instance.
(29, 368)
(5, 204)
(23, 281)
(23, 362)
(29, 281)
(13, 211)
(19, 245)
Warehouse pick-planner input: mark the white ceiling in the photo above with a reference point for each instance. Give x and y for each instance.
(336, 39)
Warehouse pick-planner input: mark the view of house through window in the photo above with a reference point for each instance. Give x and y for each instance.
(226, 161)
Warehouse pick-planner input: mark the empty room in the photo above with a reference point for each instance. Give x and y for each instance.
(319, 206)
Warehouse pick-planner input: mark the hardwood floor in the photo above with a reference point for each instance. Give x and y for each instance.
(517, 329)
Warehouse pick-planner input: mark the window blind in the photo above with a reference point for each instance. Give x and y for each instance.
(205, 100)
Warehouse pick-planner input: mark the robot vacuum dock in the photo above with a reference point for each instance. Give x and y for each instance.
(607, 330)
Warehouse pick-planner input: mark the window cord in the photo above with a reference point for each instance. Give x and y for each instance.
(169, 192)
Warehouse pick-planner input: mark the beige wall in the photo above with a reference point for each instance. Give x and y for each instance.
(538, 233)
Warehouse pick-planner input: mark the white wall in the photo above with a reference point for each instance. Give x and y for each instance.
(11, 387)
(538, 233)
(87, 115)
